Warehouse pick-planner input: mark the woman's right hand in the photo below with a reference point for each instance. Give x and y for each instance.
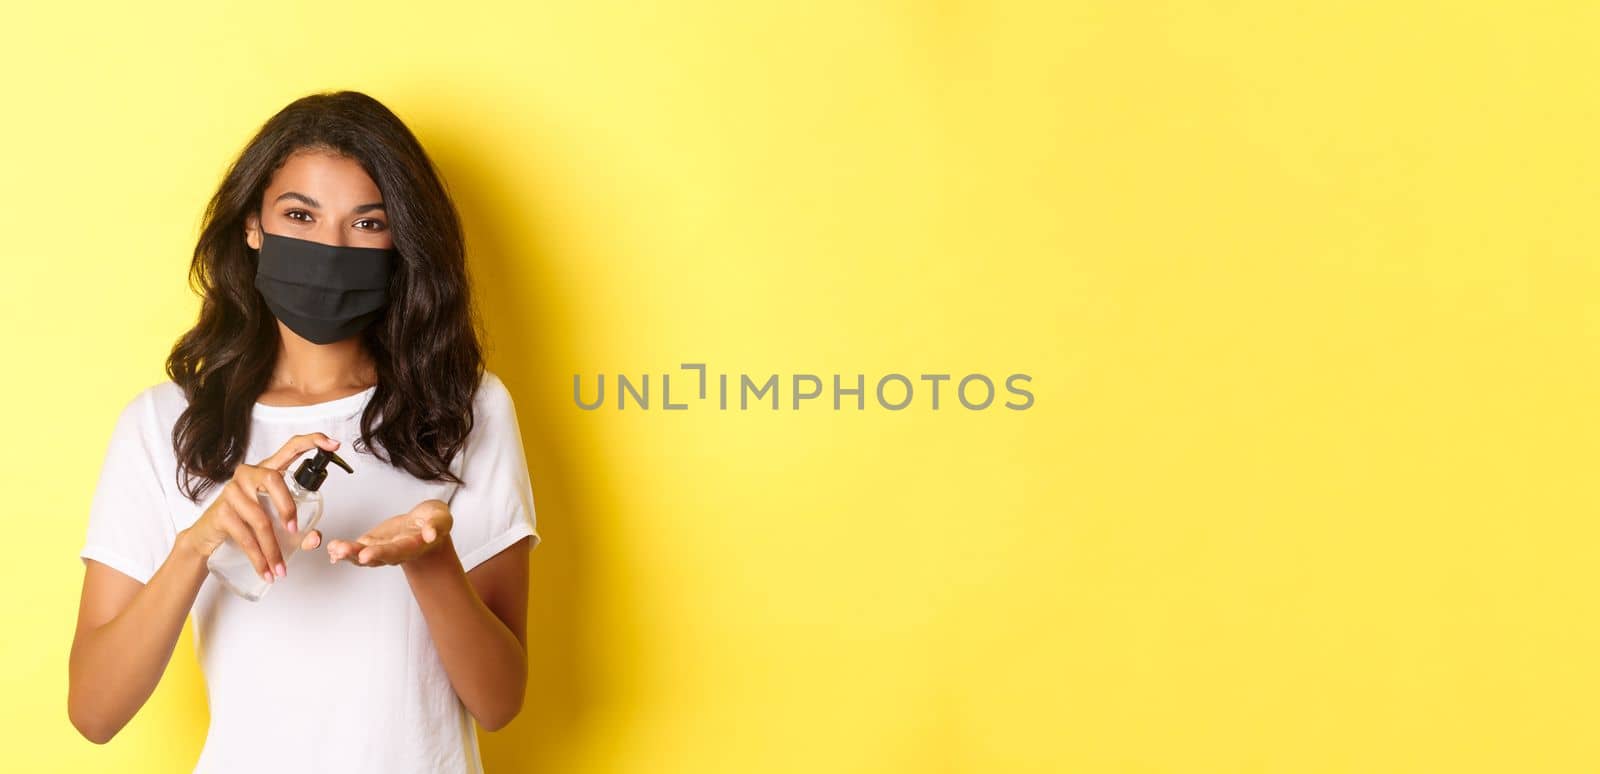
(236, 514)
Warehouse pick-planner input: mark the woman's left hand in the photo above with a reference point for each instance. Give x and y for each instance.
(397, 540)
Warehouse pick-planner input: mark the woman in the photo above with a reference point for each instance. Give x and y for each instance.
(336, 310)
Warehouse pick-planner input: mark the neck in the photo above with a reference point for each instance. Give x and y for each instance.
(318, 369)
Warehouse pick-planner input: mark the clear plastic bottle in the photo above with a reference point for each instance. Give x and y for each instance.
(232, 566)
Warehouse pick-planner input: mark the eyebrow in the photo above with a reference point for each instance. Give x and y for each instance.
(318, 205)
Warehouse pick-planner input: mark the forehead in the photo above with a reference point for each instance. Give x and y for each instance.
(335, 181)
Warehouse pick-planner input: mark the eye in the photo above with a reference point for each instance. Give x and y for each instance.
(377, 225)
(292, 213)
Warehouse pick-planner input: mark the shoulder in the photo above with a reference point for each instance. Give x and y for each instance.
(145, 421)
(494, 413)
(493, 397)
(494, 421)
(154, 407)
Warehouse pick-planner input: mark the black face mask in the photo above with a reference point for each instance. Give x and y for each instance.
(324, 293)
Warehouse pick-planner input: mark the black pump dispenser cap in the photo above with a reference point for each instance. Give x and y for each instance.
(314, 470)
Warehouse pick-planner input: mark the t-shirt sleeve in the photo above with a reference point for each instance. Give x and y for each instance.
(130, 529)
(493, 507)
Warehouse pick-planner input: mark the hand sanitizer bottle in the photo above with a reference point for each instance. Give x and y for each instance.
(232, 566)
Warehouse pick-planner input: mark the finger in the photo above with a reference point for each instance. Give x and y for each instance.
(271, 480)
(312, 539)
(240, 534)
(392, 551)
(436, 513)
(339, 550)
(295, 446)
(249, 510)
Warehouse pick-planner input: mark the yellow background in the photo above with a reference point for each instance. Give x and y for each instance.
(1307, 293)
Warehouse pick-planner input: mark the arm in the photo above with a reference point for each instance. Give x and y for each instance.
(126, 630)
(477, 619)
(125, 637)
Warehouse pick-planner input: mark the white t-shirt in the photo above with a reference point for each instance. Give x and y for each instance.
(334, 669)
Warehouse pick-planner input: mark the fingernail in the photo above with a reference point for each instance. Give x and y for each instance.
(280, 570)
(266, 576)
(293, 525)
